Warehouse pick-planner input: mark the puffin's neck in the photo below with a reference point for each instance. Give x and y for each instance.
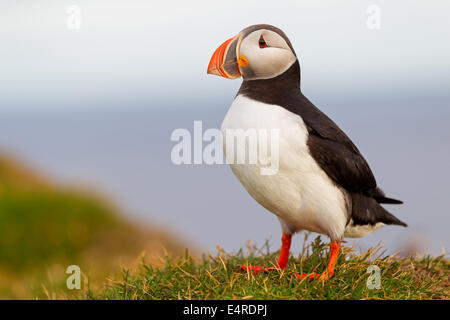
(269, 90)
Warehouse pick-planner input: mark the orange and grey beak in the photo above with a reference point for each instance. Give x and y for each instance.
(224, 61)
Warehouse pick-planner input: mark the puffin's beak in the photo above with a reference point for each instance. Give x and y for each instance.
(224, 61)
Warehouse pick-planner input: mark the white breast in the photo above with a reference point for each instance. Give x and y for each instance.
(300, 193)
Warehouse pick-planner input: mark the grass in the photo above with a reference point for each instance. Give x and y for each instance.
(45, 227)
(40, 227)
(217, 278)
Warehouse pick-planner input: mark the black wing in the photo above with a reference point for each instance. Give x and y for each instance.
(337, 155)
(335, 152)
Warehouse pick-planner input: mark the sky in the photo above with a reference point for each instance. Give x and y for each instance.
(138, 49)
(96, 105)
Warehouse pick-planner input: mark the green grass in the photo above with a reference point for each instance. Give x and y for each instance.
(42, 226)
(45, 227)
(217, 278)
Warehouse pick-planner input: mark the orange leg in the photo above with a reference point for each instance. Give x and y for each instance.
(335, 246)
(282, 259)
(284, 252)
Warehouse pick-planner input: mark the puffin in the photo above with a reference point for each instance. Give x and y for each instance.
(323, 184)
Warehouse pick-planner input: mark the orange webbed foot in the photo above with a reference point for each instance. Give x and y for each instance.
(256, 269)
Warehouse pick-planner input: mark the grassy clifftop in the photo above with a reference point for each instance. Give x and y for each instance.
(217, 278)
(45, 227)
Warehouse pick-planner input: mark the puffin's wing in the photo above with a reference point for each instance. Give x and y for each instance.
(345, 167)
(338, 156)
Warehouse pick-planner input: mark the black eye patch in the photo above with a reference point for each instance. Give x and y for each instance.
(262, 43)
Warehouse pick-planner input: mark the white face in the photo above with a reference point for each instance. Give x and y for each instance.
(265, 62)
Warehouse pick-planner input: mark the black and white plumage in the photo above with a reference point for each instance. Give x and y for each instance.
(324, 184)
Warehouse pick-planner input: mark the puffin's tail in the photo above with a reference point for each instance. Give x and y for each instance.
(379, 195)
(367, 210)
(388, 200)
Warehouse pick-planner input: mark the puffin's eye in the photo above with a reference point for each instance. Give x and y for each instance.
(262, 43)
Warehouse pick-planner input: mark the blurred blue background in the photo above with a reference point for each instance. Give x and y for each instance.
(96, 106)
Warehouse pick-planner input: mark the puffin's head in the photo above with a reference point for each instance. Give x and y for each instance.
(258, 52)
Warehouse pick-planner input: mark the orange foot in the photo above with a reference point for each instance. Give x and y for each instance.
(334, 252)
(256, 269)
(312, 276)
(282, 260)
